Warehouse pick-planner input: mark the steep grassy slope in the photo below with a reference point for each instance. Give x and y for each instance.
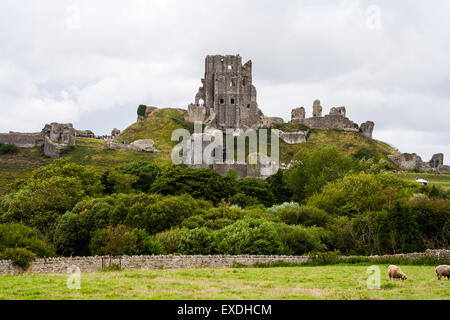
(159, 127)
(350, 143)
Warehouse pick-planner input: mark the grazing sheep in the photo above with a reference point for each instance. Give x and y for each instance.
(395, 272)
(443, 271)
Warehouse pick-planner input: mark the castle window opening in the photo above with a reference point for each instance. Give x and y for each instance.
(221, 101)
(232, 100)
(230, 67)
(248, 106)
(201, 102)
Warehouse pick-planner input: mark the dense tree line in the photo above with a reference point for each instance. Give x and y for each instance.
(326, 201)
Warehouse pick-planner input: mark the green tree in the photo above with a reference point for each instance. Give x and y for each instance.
(249, 236)
(257, 189)
(399, 232)
(198, 241)
(145, 171)
(199, 183)
(311, 171)
(113, 241)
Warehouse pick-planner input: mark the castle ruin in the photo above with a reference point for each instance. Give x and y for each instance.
(227, 99)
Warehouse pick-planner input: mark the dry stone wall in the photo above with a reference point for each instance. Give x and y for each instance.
(92, 264)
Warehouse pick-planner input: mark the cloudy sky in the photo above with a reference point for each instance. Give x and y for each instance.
(93, 62)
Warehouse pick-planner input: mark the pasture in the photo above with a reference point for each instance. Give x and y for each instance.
(337, 282)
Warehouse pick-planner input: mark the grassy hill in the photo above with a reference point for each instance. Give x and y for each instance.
(159, 126)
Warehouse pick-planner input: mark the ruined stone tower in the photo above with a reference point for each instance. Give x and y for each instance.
(227, 98)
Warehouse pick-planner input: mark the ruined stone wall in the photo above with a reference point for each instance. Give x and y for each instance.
(93, 264)
(328, 122)
(293, 137)
(23, 140)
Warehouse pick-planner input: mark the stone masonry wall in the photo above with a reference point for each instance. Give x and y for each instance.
(92, 264)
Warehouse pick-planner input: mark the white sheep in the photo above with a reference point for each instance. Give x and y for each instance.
(395, 272)
(443, 271)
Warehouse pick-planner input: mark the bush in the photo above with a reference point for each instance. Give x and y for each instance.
(198, 241)
(257, 189)
(204, 184)
(8, 148)
(304, 215)
(141, 110)
(243, 200)
(113, 241)
(249, 236)
(299, 240)
(19, 256)
(170, 240)
(14, 235)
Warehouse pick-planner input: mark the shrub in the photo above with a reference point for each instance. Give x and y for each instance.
(19, 256)
(243, 200)
(198, 241)
(249, 236)
(257, 189)
(14, 235)
(170, 240)
(299, 240)
(113, 241)
(304, 215)
(323, 258)
(141, 110)
(8, 148)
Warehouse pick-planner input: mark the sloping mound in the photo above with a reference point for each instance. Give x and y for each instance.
(351, 143)
(158, 126)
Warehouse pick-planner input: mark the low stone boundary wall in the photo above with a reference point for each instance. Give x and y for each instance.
(92, 264)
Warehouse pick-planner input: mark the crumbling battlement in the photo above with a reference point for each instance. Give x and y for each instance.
(55, 137)
(413, 162)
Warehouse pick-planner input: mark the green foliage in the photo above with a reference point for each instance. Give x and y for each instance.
(113, 241)
(316, 169)
(170, 239)
(299, 240)
(304, 215)
(144, 171)
(399, 232)
(141, 110)
(15, 235)
(19, 256)
(146, 244)
(323, 258)
(243, 200)
(8, 148)
(117, 182)
(433, 217)
(358, 193)
(199, 183)
(249, 236)
(257, 189)
(198, 241)
(153, 213)
(279, 189)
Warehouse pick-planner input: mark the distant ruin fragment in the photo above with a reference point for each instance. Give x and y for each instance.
(55, 138)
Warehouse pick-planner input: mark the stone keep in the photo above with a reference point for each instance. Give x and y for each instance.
(227, 98)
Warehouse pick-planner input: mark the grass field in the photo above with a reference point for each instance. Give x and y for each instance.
(325, 282)
(442, 180)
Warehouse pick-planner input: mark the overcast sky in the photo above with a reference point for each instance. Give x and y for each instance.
(93, 62)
